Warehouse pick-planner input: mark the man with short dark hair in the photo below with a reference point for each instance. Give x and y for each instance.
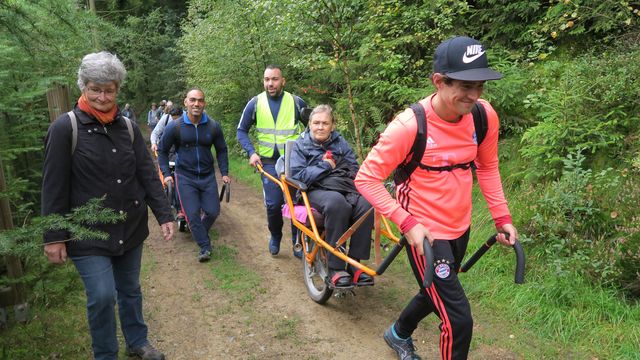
(193, 135)
(276, 115)
(434, 202)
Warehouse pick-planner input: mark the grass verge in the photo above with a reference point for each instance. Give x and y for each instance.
(554, 314)
(57, 326)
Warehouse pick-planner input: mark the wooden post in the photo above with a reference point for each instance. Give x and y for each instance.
(58, 101)
(14, 295)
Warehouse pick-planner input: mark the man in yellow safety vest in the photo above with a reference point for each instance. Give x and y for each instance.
(276, 115)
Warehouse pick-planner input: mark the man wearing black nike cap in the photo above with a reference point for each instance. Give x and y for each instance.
(433, 199)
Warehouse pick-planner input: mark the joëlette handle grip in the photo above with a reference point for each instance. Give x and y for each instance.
(170, 190)
(428, 266)
(520, 259)
(226, 189)
(222, 191)
(392, 255)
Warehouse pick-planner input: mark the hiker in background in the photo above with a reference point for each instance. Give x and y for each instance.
(156, 134)
(193, 135)
(433, 203)
(151, 117)
(276, 115)
(93, 152)
(128, 112)
(323, 160)
(160, 110)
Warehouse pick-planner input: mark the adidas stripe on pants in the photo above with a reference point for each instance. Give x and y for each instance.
(445, 297)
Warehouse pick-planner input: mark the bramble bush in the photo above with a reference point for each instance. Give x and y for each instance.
(625, 205)
(584, 221)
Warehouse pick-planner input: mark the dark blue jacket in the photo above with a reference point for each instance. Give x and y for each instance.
(306, 162)
(193, 152)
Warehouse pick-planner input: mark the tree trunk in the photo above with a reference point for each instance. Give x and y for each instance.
(14, 296)
(352, 108)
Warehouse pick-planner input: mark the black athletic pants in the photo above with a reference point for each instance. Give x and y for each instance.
(445, 297)
(338, 217)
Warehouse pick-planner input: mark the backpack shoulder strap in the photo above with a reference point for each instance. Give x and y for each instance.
(129, 128)
(255, 108)
(480, 122)
(298, 109)
(176, 134)
(74, 130)
(404, 171)
(420, 143)
(211, 126)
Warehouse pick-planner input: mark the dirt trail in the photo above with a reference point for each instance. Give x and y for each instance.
(190, 317)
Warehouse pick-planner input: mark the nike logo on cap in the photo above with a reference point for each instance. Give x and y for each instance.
(473, 52)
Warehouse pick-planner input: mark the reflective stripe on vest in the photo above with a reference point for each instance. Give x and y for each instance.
(272, 134)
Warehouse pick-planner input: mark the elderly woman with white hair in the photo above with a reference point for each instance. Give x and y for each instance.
(95, 152)
(323, 160)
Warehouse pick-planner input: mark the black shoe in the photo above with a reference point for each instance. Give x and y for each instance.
(360, 278)
(339, 278)
(403, 347)
(146, 352)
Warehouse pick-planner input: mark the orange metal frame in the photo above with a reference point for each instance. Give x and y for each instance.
(381, 228)
(164, 186)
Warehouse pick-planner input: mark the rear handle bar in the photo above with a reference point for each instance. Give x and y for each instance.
(520, 259)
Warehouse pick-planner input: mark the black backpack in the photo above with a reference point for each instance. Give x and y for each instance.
(404, 170)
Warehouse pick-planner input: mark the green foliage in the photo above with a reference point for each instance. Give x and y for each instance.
(624, 202)
(51, 27)
(537, 29)
(578, 224)
(25, 242)
(147, 45)
(226, 45)
(506, 96)
(59, 327)
(583, 104)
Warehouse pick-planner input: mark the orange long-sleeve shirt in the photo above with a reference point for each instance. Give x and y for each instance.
(441, 201)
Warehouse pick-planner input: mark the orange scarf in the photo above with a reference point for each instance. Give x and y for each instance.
(103, 117)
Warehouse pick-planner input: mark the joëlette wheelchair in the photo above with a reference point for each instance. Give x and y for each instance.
(315, 250)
